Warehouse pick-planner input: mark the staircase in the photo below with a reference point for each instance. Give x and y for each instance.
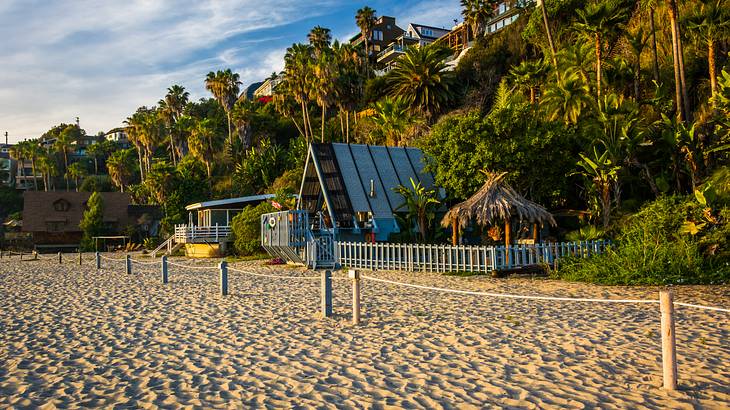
(321, 250)
(170, 246)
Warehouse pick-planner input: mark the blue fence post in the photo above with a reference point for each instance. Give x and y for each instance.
(164, 269)
(223, 266)
(97, 256)
(327, 293)
(128, 264)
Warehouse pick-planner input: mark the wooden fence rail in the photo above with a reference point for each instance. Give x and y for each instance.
(460, 258)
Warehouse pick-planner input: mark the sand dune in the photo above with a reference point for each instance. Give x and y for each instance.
(75, 337)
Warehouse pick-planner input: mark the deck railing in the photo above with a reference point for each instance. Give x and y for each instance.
(186, 234)
(460, 258)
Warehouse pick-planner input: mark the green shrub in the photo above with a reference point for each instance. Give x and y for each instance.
(96, 183)
(247, 229)
(654, 248)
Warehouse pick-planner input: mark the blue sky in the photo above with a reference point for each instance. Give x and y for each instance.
(100, 60)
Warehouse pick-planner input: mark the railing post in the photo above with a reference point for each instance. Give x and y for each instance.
(223, 267)
(355, 276)
(164, 269)
(97, 255)
(128, 264)
(60, 258)
(669, 352)
(327, 293)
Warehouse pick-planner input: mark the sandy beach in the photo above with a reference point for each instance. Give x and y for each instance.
(74, 337)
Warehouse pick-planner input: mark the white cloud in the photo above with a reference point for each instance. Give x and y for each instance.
(100, 60)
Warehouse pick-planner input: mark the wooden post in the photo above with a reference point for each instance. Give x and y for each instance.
(223, 266)
(327, 293)
(355, 276)
(455, 231)
(97, 256)
(60, 258)
(507, 240)
(669, 352)
(164, 269)
(79, 257)
(534, 232)
(128, 264)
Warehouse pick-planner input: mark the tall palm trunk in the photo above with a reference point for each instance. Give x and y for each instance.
(675, 56)
(653, 45)
(549, 34)
(35, 178)
(637, 77)
(711, 63)
(324, 113)
(347, 123)
(599, 52)
(230, 129)
(304, 122)
(65, 168)
(682, 76)
(141, 164)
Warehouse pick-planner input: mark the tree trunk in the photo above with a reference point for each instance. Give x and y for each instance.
(324, 113)
(685, 96)
(76, 181)
(96, 165)
(65, 169)
(675, 56)
(342, 124)
(35, 179)
(712, 64)
(606, 204)
(455, 232)
(230, 130)
(347, 123)
(304, 122)
(653, 45)
(598, 67)
(637, 78)
(141, 165)
(549, 35)
(532, 95)
(507, 239)
(172, 151)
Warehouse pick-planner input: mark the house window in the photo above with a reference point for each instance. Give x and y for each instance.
(377, 35)
(62, 205)
(428, 32)
(55, 226)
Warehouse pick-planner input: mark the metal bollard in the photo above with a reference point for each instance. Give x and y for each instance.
(164, 269)
(327, 293)
(355, 276)
(223, 266)
(97, 255)
(128, 264)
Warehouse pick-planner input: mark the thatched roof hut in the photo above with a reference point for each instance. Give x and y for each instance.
(496, 201)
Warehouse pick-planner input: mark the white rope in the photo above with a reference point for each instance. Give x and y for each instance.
(144, 263)
(272, 276)
(191, 267)
(702, 307)
(112, 259)
(505, 295)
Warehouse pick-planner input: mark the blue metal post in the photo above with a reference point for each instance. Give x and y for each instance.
(164, 269)
(224, 278)
(327, 293)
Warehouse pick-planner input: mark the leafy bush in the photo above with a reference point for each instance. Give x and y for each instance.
(654, 248)
(96, 183)
(247, 229)
(92, 223)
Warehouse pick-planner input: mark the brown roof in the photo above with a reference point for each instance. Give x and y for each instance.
(65, 210)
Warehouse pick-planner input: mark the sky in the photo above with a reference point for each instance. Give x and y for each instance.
(101, 59)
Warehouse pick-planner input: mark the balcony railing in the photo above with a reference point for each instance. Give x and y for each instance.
(393, 48)
(201, 234)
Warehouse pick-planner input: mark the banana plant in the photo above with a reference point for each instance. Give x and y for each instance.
(603, 173)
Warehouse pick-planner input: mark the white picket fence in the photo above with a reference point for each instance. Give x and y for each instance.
(460, 258)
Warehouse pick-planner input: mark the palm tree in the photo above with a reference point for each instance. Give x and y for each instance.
(637, 41)
(225, 87)
(391, 121)
(599, 21)
(709, 24)
(348, 84)
(77, 171)
(477, 13)
(33, 152)
(17, 153)
(566, 99)
(420, 79)
(320, 39)
(121, 167)
(62, 145)
(134, 132)
(365, 19)
(171, 109)
(298, 72)
(48, 167)
(322, 84)
(420, 204)
(528, 75)
(204, 144)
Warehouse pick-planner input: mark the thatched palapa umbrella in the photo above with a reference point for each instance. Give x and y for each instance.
(496, 201)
